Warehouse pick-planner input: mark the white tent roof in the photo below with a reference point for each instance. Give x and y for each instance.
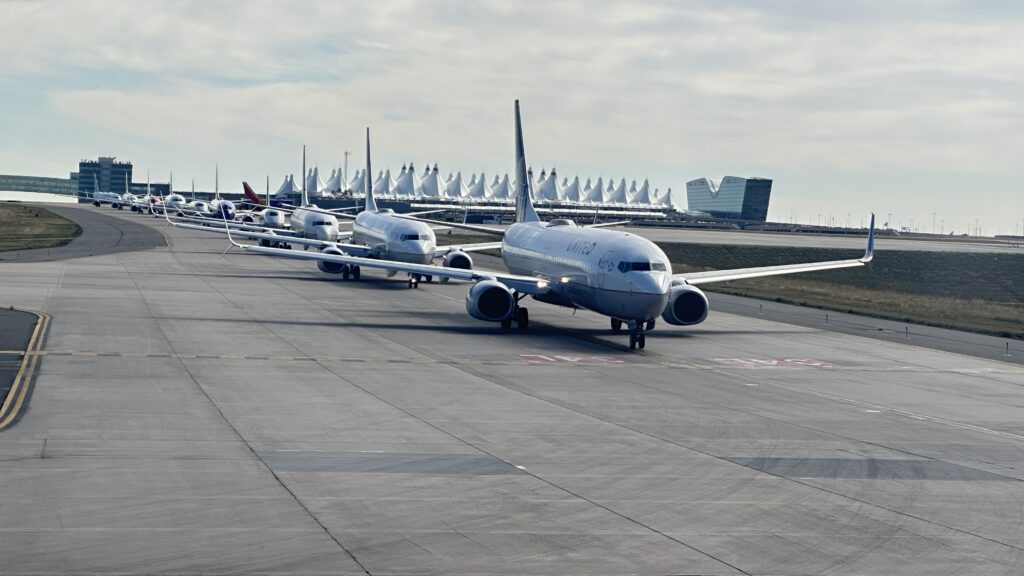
(643, 195)
(618, 193)
(382, 186)
(335, 183)
(357, 184)
(431, 186)
(455, 189)
(478, 188)
(573, 192)
(287, 187)
(503, 191)
(315, 187)
(408, 184)
(549, 190)
(596, 194)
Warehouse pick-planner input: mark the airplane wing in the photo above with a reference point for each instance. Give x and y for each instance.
(607, 224)
(473, 227)
(476, 247)
(524, 284)
(697, 278)
(257, 233)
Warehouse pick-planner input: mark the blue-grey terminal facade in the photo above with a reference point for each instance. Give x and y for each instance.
(734, 197)
(105, 174)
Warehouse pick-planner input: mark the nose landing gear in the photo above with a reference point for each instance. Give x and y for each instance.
(637, 337)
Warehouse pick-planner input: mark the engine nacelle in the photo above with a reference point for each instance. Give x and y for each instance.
(331, 267)
(491, 301)
(687, 305)
(458, 259)
(248, 219)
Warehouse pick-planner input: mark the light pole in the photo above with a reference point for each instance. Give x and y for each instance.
(345, 176)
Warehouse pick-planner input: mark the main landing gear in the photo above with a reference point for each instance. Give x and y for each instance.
(521, 316)
(415, 279)
(350, 272)
(637, 331)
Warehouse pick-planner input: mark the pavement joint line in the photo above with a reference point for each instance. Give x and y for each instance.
(22, 380)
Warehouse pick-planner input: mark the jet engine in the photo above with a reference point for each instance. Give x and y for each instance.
(490, 300)
(687, 305)
(458, 259)
(248, 219)
(331, 267)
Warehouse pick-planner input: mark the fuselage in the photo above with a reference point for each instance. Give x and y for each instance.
(611, 272)
(314, 225)
(393, 238)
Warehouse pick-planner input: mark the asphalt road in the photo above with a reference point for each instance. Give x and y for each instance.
(102, 233)
(223, 414)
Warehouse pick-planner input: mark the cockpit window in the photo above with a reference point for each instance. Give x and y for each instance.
(641, 267)
(321, 223)
(405, 237)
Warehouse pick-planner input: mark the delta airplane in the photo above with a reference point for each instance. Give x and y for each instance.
(611, 272)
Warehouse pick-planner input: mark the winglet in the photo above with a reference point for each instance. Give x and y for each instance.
(869, 253)
(230, 239)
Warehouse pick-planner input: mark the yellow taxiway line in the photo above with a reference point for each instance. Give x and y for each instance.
(29, 362)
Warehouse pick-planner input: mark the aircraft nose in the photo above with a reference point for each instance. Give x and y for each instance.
(650, 282)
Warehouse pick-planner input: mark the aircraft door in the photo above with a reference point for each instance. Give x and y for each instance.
(605, 266)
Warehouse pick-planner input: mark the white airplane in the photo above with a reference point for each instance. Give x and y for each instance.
(376, 233)
(618, 274)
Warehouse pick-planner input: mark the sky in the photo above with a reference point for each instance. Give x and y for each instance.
(913, 110)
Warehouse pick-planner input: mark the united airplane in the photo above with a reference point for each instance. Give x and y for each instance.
(614, 273)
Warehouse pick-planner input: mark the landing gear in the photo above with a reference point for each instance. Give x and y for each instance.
(637, 338)
(649, 326)
(414, 280)
(346, 272)
(428, 279)
(355, 272)
(616, 325)
(522, 317)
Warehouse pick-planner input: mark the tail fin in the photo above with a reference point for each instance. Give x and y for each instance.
(524, 197)
(250, 194)
(371, 204)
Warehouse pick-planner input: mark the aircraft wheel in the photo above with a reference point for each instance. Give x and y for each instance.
(96, 204)
(355, 273)
(632, 341)
(649, 326)
(428, 279)
(444, 280)
(522, 318)
(506, 323)
(345, 273)
(641, 340)
(616, 325)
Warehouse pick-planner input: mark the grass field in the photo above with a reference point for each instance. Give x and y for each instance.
(25, 227)
(965, 291)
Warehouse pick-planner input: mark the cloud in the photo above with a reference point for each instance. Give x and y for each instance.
(674, 90)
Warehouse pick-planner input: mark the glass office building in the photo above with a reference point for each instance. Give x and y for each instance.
(732, 197)
(104, 175)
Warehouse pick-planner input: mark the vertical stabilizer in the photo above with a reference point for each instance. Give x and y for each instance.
(371, 204)
(524, 197)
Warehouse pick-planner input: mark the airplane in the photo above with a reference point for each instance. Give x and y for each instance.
(376, 233)
(611, 272)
